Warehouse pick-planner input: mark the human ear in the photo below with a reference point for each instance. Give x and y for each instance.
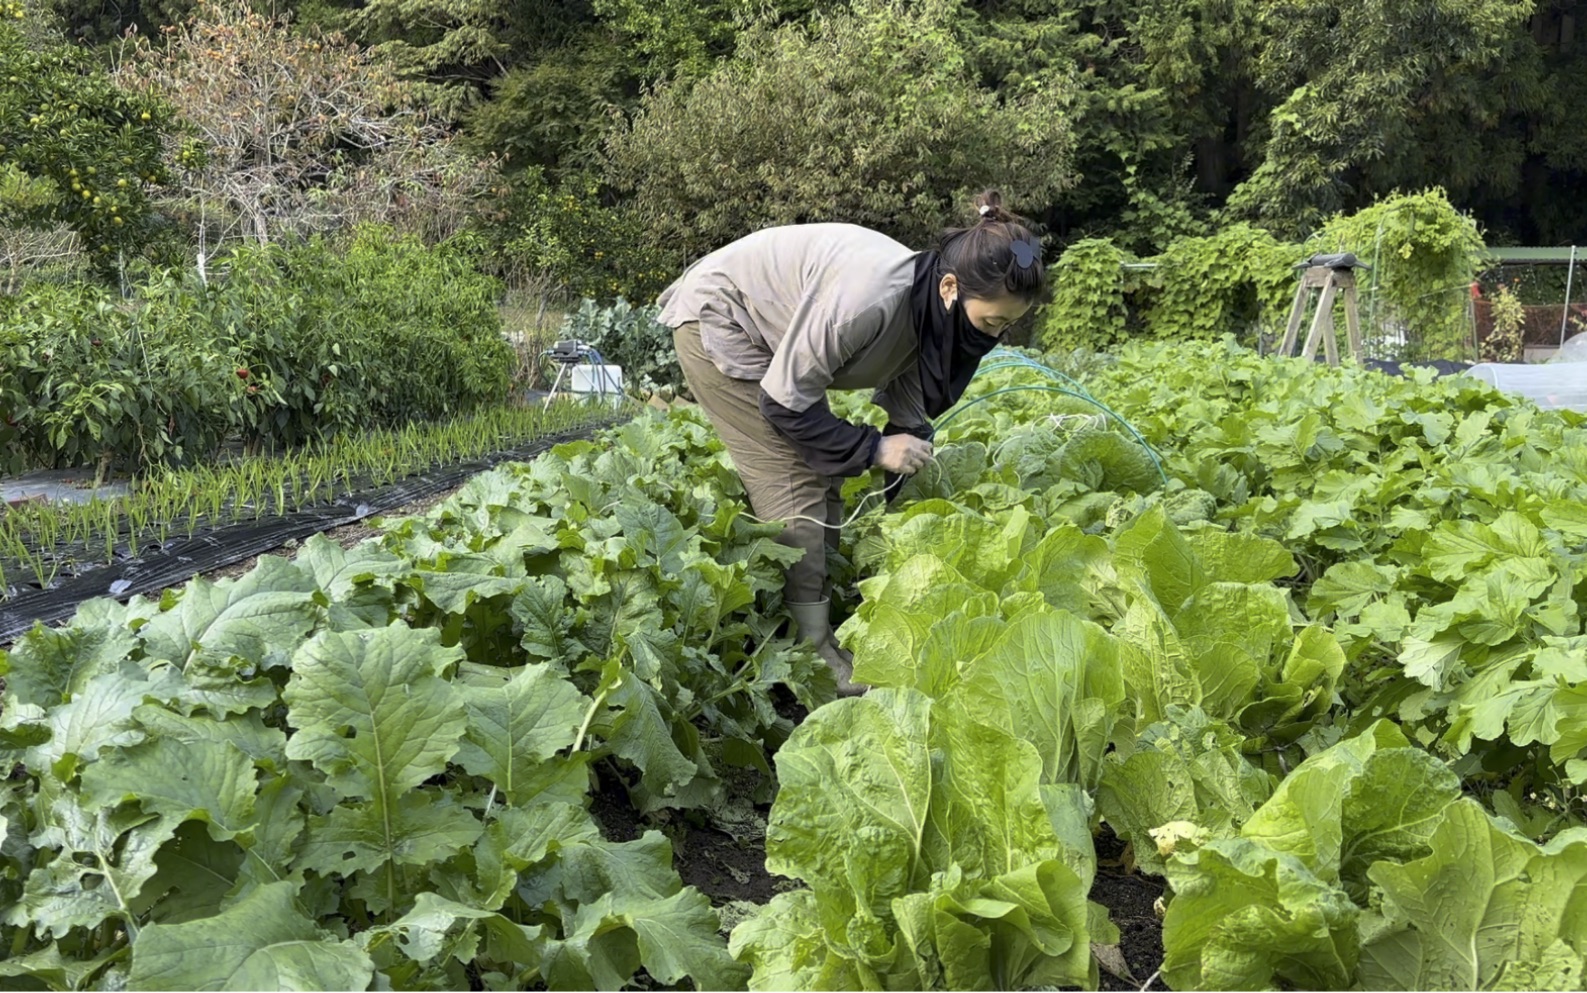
(948, 289)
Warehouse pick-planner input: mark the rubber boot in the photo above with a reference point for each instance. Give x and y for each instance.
(814, 621)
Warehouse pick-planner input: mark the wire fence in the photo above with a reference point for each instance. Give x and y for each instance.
(1396, 330)
(1436, 325)
(1393, 331)
(1473, 321)
(1552, 298)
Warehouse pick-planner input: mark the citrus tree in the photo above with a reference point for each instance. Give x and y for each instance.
(76, 152)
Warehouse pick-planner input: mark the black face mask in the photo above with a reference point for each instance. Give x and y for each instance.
(970, 343)
(951, 348)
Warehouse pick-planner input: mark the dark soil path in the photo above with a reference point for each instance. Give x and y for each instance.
(1130, 898)
(725, 868)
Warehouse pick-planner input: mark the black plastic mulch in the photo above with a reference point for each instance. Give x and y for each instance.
(178, 561)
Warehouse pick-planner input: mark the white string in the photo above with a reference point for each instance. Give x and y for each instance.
(1086, 420)
(831, 527)
(882, 492)
(940, 472)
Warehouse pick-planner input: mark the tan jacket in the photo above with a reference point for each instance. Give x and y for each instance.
(806, 308)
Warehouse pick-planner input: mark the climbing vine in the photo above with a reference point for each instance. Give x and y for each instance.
(1237, 280)
(1088, 307)
(1424, 255)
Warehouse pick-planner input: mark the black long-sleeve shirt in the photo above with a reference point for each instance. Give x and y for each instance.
(829, 444)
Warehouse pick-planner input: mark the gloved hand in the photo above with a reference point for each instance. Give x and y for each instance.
(893, 482)
(903, 453)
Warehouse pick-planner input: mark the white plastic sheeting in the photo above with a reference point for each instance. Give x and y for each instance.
(1551, 385)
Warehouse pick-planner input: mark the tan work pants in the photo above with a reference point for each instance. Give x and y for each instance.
(780, 484)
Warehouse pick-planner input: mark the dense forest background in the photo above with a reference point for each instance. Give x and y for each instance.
(590, 148)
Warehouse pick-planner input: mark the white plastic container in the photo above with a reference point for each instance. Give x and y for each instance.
(597, 381)
(1553, 384)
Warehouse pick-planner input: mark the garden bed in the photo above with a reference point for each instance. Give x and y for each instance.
(529, 737)
(232, 528)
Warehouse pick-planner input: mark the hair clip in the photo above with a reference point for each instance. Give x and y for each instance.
(1026, 253)
(986, 208)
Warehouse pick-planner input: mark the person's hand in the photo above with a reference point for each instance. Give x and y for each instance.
(903, 454)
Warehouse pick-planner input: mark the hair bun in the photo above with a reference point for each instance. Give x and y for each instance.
(989, 204)
(997, 254)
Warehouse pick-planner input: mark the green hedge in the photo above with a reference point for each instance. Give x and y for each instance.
(282, 346)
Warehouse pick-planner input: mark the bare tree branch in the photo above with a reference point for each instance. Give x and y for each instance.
(298, 134)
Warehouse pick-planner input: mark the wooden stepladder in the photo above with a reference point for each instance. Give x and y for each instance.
(1332, 274)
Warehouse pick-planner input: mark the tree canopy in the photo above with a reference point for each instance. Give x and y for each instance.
(1143, 121)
